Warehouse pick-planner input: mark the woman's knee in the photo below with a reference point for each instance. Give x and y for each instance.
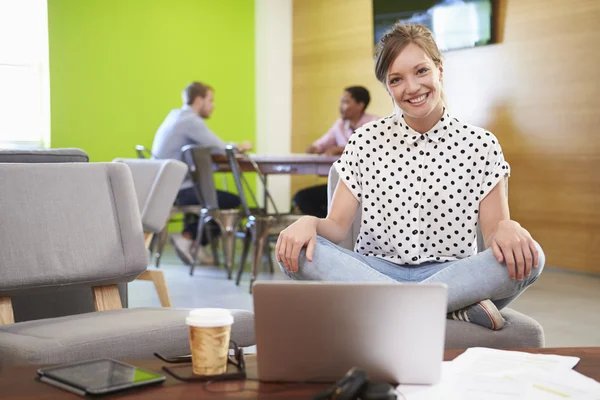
(299, 274)
(323, 247)
(541, 262)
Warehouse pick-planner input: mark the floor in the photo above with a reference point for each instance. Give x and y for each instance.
(565, 303)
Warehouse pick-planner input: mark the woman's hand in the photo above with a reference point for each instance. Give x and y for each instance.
(293, 238)
(512, 244)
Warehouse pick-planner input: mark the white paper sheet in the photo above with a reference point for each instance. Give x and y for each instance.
(489, 374)
(484, 360)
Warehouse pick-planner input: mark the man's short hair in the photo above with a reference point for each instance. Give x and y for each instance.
(194, 90)
(360, 94)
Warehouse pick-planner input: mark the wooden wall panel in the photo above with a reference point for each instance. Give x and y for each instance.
(538, 91)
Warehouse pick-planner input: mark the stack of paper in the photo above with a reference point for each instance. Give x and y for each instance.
(482, 374)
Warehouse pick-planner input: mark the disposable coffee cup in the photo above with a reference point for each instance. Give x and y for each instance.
(210, 329)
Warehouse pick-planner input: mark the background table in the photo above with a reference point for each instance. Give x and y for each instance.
(291, 164)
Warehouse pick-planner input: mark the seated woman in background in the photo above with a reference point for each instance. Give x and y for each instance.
(424, 180)
(353, 106)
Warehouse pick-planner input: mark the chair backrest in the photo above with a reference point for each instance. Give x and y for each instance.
(242, 184)
(156, 184)
(200, 168)
(68, 225)
(71, 301)
(143, 152)
(350, 240)
(43, 156)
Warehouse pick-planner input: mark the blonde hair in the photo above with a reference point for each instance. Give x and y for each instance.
(396, 39)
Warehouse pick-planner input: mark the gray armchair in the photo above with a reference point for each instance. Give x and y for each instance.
(78, 225)
(520, 331)
(68, 301)
(156, 184)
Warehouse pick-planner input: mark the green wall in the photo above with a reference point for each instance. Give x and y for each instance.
(117, 67)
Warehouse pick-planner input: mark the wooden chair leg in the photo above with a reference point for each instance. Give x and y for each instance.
(107, 298)
(158, 278)
(148, 239)
(6, 311)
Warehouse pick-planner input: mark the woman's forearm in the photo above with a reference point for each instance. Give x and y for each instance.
(331, 230)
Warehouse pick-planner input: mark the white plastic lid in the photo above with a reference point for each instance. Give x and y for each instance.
(209, 317)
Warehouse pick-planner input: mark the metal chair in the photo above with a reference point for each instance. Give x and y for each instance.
(261, 225)
(160, 239)
(200, 165)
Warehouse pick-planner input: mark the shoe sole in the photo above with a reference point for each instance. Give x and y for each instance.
(492, 311)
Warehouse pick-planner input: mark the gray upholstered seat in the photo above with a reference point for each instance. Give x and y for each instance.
(134, 333)
(520, 331)
(43, 156)
(78, 225)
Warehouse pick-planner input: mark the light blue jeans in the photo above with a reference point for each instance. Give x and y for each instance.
(469, 280)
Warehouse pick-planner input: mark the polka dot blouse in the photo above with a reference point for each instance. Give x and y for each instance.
(420, 193)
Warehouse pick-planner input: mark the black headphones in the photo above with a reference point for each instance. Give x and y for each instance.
(355, 385)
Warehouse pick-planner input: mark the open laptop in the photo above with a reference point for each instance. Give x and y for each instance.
(317, 331)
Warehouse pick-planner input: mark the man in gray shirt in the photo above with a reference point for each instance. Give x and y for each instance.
(184, 126)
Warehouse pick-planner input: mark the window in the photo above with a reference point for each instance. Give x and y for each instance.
(24, 74)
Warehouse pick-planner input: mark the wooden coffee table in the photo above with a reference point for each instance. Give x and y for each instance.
(18, 382)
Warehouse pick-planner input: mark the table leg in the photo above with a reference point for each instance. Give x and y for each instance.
(265, 196)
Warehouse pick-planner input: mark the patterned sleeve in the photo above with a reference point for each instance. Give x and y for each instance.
(348, 166)
(495, 167)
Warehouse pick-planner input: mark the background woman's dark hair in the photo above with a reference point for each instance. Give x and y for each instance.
(360, 94)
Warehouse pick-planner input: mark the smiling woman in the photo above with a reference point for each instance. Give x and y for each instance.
(425, 182)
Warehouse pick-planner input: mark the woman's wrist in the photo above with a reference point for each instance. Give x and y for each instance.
(502, 224)
(309, 219)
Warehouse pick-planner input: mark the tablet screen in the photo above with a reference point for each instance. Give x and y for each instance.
(101, 375)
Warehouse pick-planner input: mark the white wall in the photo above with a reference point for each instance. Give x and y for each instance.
(273, 21)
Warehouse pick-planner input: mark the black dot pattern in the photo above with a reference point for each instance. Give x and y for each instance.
(420, 193)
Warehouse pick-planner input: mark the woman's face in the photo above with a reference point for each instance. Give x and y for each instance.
(415, 83)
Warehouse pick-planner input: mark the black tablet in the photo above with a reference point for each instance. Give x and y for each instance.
(97, 376)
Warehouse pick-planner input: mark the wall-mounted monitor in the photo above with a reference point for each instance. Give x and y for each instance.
(456, 24)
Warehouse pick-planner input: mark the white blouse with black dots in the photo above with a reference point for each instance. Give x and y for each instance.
(420, 193)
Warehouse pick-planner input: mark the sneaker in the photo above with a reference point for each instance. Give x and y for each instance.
(182, 246)
(483, 313)
(203, 258)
